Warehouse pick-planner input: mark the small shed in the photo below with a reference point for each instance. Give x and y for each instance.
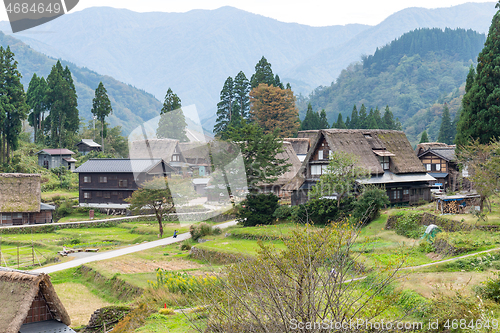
(87, 145)
(457, 204)
(30, 303)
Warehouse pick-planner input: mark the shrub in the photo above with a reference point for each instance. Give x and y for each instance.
(186, 246)
(490, 289)
(257, 209)
(200, 230)
(283, 212)
(216, 231)
(408, 225)
(367, 206)
(166, 311)
(183, 283)
(322, 211)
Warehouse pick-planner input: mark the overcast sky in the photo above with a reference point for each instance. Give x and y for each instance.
(310, 12)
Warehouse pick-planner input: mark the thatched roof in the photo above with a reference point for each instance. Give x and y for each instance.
(300, 145)
(310, 134)
(20, 192)
(289, 156)
(154, 148)
(365, 144)
(17, 292)
(443, 152)
(422, 147)
(195, 150)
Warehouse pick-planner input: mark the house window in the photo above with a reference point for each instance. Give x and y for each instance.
(428, 167)
(87, 179)
(396, 195)
(103, 179)
(122, 183)
(384, 162)
(120, 195)
(6, 216)
(406, 192)
(175, 158)
(437, 167)
(114, 193)
(320, 155)
(315, 170)
(86, 195)
(98, 194)
(106, 195)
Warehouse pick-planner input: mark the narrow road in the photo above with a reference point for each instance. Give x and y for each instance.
(123, 251)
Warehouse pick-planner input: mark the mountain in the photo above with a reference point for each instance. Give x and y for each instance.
(194, 52)
(410, 75)
(131, 106)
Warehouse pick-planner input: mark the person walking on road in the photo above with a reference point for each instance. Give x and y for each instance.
(175, 234)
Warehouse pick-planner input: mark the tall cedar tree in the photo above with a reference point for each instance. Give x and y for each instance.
(260, 150)
(36, 99)
(172, 124)
(311, 120)
(263, 74)
(446, 130)
(101, 108)
(274, 108)
(340, 123)
(13, 107)
(240, 91)
(378, 118)
(225, 115)
(363, 117)
(354, 123)
(424, 138)
(371, 122)
(277, 82)
(480, 114)
(63, 121)
(388, 120)
(323, 121)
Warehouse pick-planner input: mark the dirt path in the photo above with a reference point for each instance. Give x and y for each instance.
(123, 251)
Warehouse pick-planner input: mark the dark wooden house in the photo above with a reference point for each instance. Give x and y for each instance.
(55, 158)
(87, 145)
(30, 304)
(20, 196)
(110, 181)
(441, 163)
(386, 155)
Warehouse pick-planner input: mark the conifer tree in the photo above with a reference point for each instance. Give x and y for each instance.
(241, 89)
(378, 118)
(446, 130)
(172, 123)
(371, 122)
(263, 74)
(363, 118)
(348, 122)
(424, 138)
(388, 120)
(340, 123)
(101, 108)
(36, 99)
(277, 82)
(311, 120)
(225, 116)
(354, 123)
(323, 121)
(480, 114)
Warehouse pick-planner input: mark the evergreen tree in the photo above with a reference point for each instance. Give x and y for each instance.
(274, 108)
(172, 123)
(241, 89)
(35, 97)
(225, 110)
(277, 82)
(446, 130)
(480, 114)
(363, 118)
(354, 123)
(347, 122)
(340, 123)
(63, 121)
(323, 121)
(101, 108)
(424, 138)
(263, 74)
(388, 120)
(288, 86)
(377, 117)
(12, 103)
(372, 123)
(311, 120)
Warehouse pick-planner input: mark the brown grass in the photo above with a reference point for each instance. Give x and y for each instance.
(130, 265)
(79, 302)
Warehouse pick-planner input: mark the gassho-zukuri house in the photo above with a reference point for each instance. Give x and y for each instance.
(386, 154)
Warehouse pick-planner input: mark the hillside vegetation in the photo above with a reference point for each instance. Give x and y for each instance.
(410, 75)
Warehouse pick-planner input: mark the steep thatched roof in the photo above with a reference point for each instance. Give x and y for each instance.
(17, 292)
(300, 145)
(422, 147)
(310, 134)
(154, 148)
(365, 144)
(290, 157)
(20, 192)
(195, 150)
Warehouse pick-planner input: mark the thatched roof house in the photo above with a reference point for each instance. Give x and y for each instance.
(20, 192)
(386, 154)
(29, 302)
(300, 146)
(165, 149)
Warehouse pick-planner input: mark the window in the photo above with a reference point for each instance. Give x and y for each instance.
(106, 195)
(384, 162)
(175, 158)
(103, 179)
(438, 167)
(120, 195)
(86, 195)
(18, 215)
(122, 183)
(6, 216)
(315, 170)
(428, 167)
(396, 195)
(87, 179)
(405, 192)
(320, 155)
(114, 193)
(98, 194)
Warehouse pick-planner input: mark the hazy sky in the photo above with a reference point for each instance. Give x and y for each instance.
(310, 12)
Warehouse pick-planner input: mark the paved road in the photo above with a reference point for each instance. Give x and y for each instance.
(123, 251)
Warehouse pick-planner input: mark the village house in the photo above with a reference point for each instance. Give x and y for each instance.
(300, 146)
(55, 158)
(387, 155)
(20, 196)
(30, 304)
(87, 145)
(440, 162)
(165, 149)
(197, 155)
(107, 182)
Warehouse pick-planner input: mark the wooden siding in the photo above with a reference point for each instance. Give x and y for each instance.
(39, 310)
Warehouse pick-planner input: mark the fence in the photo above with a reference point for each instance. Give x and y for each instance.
(24, 256)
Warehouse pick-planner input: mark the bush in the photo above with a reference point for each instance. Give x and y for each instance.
(64, 208)
(200, 230)
(283, 212)
(257, 209)
(367, 207)
(216, 231)
(166, 311)
(490, 289)
(186, 246)
(408, 225)
(322, 211)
